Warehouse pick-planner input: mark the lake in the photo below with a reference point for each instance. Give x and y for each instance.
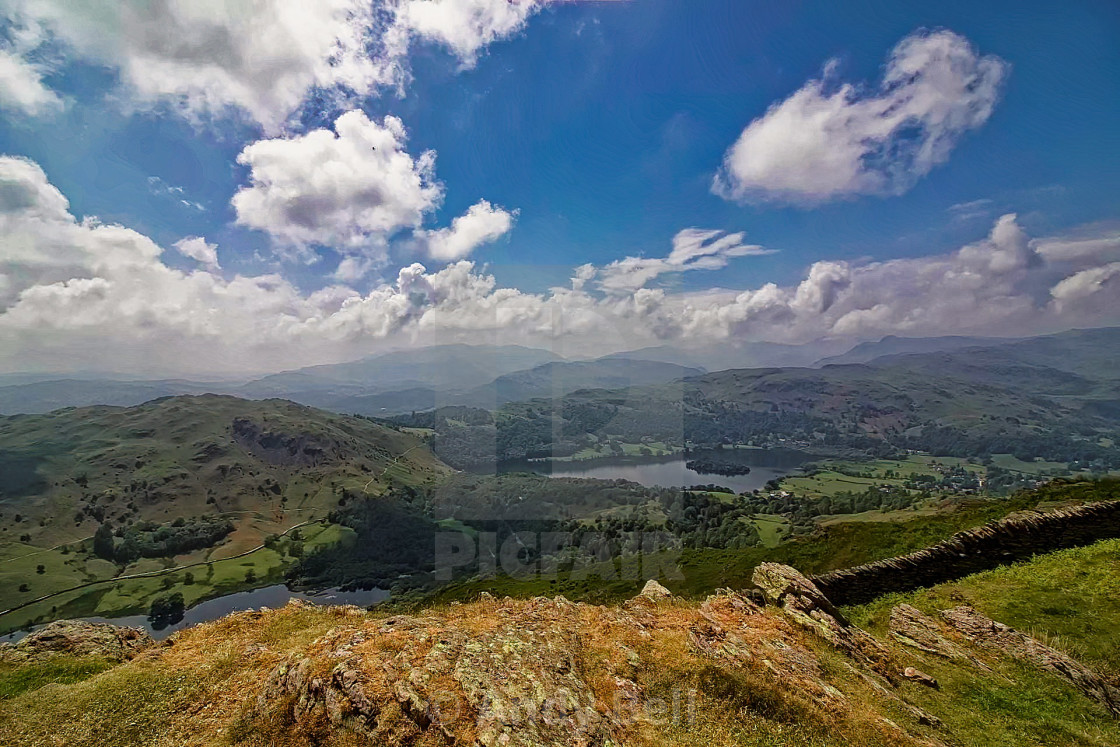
(667, 472)
(212, 609)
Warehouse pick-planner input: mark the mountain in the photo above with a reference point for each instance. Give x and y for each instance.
(558, 379)
(440, 367)
(866, 352)
(734, 354)
(1055, 397)
(159, 469)
(36, 397)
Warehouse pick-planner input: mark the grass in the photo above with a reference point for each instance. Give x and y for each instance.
(771, 529)
(202, 690)
(833, 478)
(61, 670)
(1037, 467)
(1070, 599)
(130, 597)
(834, 546)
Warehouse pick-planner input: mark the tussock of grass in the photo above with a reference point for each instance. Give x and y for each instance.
(63, 670)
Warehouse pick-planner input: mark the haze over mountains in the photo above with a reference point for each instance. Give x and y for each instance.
(489, 376)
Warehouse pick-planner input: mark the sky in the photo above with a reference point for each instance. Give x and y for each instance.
(204, 187)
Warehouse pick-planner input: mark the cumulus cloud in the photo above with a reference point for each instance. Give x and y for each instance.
(693, 249)
(79, 294)
(200, 250)
(351, 188)
(826, 142)
(22, 88)
(466, 26)
(481, 224)
(261, 58)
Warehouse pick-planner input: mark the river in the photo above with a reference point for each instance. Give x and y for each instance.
(212, 609)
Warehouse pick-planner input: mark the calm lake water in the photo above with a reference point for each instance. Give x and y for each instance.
(269, 596)
(668, 472)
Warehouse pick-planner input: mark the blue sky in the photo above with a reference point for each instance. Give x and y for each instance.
(597, 129)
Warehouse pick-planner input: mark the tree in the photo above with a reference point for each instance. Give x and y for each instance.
(40, 569)
(103, 542)
(166, 610)
(188, 578)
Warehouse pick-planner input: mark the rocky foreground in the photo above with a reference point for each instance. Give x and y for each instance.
(780, 667)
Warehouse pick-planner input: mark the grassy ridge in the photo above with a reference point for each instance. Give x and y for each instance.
(834, 546)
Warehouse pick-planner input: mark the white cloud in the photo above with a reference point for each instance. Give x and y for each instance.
(466, 26)
(200, 251)
(351, 189)
(1093, 248)
(22, 88)
(207, 56)
(79, 294)
(262, 58)
(481, 224)
(821, 144)
(693, 249)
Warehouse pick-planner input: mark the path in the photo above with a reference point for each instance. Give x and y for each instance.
(147, 574)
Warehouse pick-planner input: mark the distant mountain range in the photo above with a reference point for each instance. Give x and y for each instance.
(489, 376)
(476, 375)
(1056, 397)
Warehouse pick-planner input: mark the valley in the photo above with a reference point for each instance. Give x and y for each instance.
(104, 510)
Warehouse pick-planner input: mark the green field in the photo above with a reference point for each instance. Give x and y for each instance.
(771, 529)
(210, 579)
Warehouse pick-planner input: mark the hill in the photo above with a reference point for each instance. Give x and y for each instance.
(1054, 397)
(653, 670)
(440, 367)
(164, 469)
(865, 352)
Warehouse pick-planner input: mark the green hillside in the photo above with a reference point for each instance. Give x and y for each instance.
(148, 476)
(1052, 397)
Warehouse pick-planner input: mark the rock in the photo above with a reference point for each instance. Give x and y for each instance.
(913, 628)
(999, 637)
(78, 638)
(917, 675)
(654, 590)
(804, 602)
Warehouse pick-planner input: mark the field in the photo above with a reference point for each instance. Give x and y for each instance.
(837, 476)
(210, 576)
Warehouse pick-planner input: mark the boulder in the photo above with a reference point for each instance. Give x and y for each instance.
(654, 590)
(78, 638)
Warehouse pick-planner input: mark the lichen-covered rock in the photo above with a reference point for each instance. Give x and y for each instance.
(78, 638)
(910, 626)
(654, 590)
(999, 637)
(806, 605)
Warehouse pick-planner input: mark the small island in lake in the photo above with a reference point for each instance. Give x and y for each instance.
(709, 466)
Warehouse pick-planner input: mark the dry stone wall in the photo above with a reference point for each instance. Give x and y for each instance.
(1015, 538)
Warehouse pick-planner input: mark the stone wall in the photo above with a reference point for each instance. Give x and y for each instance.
(1015, 538)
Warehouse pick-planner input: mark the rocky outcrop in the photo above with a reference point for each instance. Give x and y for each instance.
(77, 638)
(999, 637)
(803, 601)
(912, 627)
(519, 684)
(1014, 538)
(283, 449)
(549, 672)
